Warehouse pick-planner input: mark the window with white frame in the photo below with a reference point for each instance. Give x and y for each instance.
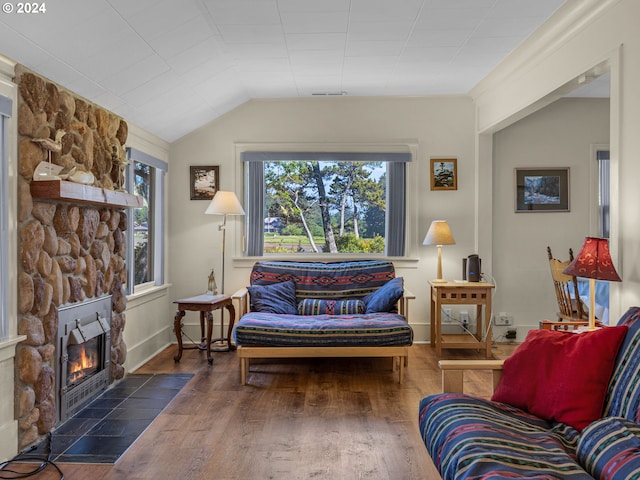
(145, 255)
(5, 113)
(325, 202)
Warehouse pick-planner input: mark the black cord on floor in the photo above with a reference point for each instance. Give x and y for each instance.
(25, 456)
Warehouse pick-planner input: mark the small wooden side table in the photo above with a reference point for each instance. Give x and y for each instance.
(461, 293)
(206, 305)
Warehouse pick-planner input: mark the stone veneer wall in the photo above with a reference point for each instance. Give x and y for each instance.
(68, 252)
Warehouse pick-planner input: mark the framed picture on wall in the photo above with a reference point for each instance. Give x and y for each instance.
(542, 189)
(203, 181)
(444, 174)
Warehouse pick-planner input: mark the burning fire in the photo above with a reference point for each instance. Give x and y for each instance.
(84, 362)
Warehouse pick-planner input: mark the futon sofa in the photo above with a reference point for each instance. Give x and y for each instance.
(313, 309)
(567, 406)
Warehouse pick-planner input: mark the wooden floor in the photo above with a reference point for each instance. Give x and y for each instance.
(297, 419)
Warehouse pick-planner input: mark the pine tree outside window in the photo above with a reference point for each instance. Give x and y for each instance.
(325, 202)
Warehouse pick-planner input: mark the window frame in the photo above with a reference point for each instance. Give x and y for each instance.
(404, 153)
(6, 105)
(157, 213)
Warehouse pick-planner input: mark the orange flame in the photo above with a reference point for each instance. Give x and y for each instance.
(84, 363)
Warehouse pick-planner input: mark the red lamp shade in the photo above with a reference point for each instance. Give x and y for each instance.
(593, 261)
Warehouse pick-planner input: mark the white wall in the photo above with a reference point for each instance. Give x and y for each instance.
(583, 35)
(8, 423)
(559, 135)
(440, 126)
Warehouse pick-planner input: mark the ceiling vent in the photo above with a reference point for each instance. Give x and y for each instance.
(329, 94)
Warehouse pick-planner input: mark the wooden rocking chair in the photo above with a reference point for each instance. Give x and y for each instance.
(572, 312)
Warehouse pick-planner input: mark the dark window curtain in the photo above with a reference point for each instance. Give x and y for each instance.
(605, 194)
(255, 208)
(396, 192)
(396, 209)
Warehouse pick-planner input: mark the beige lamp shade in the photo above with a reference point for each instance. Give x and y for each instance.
(439, 234)
(224, 203)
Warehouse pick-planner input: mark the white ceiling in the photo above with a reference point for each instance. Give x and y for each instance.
(170, 66)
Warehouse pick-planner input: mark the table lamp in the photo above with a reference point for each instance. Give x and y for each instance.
(224, 203)
(593, 262)
(439, 234)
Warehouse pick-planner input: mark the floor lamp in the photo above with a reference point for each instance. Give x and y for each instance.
(439, 234)
(224, 203)
(593, 262)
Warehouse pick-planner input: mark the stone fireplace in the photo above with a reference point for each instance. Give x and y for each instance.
(72, 251)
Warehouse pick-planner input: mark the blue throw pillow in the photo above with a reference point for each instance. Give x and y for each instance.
(276, 298)
(385, 298)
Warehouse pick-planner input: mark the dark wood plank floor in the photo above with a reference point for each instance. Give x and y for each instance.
(298, 419)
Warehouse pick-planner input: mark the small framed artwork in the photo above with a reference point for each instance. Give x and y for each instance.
(542, 189)
(203, 181)
(444, 174)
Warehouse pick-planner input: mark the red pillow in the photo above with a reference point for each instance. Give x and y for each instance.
(561, 376)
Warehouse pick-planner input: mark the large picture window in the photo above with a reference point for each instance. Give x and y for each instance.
(146, 224)
(308, 202)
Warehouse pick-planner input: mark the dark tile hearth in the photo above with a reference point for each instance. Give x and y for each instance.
(108, 426)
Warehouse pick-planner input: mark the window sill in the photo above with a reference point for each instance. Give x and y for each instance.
(8, 347)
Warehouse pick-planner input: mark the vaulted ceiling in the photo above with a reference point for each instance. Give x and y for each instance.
(171, 66)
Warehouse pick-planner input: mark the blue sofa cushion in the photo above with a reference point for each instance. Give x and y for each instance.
(473, 438)
(314, 306)
(379, 329)
(623, 396)
(275, 298)
(609, 449)
(385, 298)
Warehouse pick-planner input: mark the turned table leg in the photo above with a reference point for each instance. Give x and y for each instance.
(232, 321)
(209, 334)
(177, 327)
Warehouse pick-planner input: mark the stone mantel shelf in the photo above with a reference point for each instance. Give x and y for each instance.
(65, 191)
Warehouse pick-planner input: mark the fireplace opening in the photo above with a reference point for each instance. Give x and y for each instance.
(84, 339)
(84, 361)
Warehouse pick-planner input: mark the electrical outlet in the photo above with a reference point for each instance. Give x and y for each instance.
(448, 315)
(464, 318)
(504, 319)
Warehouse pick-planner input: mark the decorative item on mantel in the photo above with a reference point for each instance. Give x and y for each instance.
(119, 158)
(51, 145)
(48, 171)
(83, 177)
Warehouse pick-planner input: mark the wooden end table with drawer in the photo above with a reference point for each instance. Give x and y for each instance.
(461, 293)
